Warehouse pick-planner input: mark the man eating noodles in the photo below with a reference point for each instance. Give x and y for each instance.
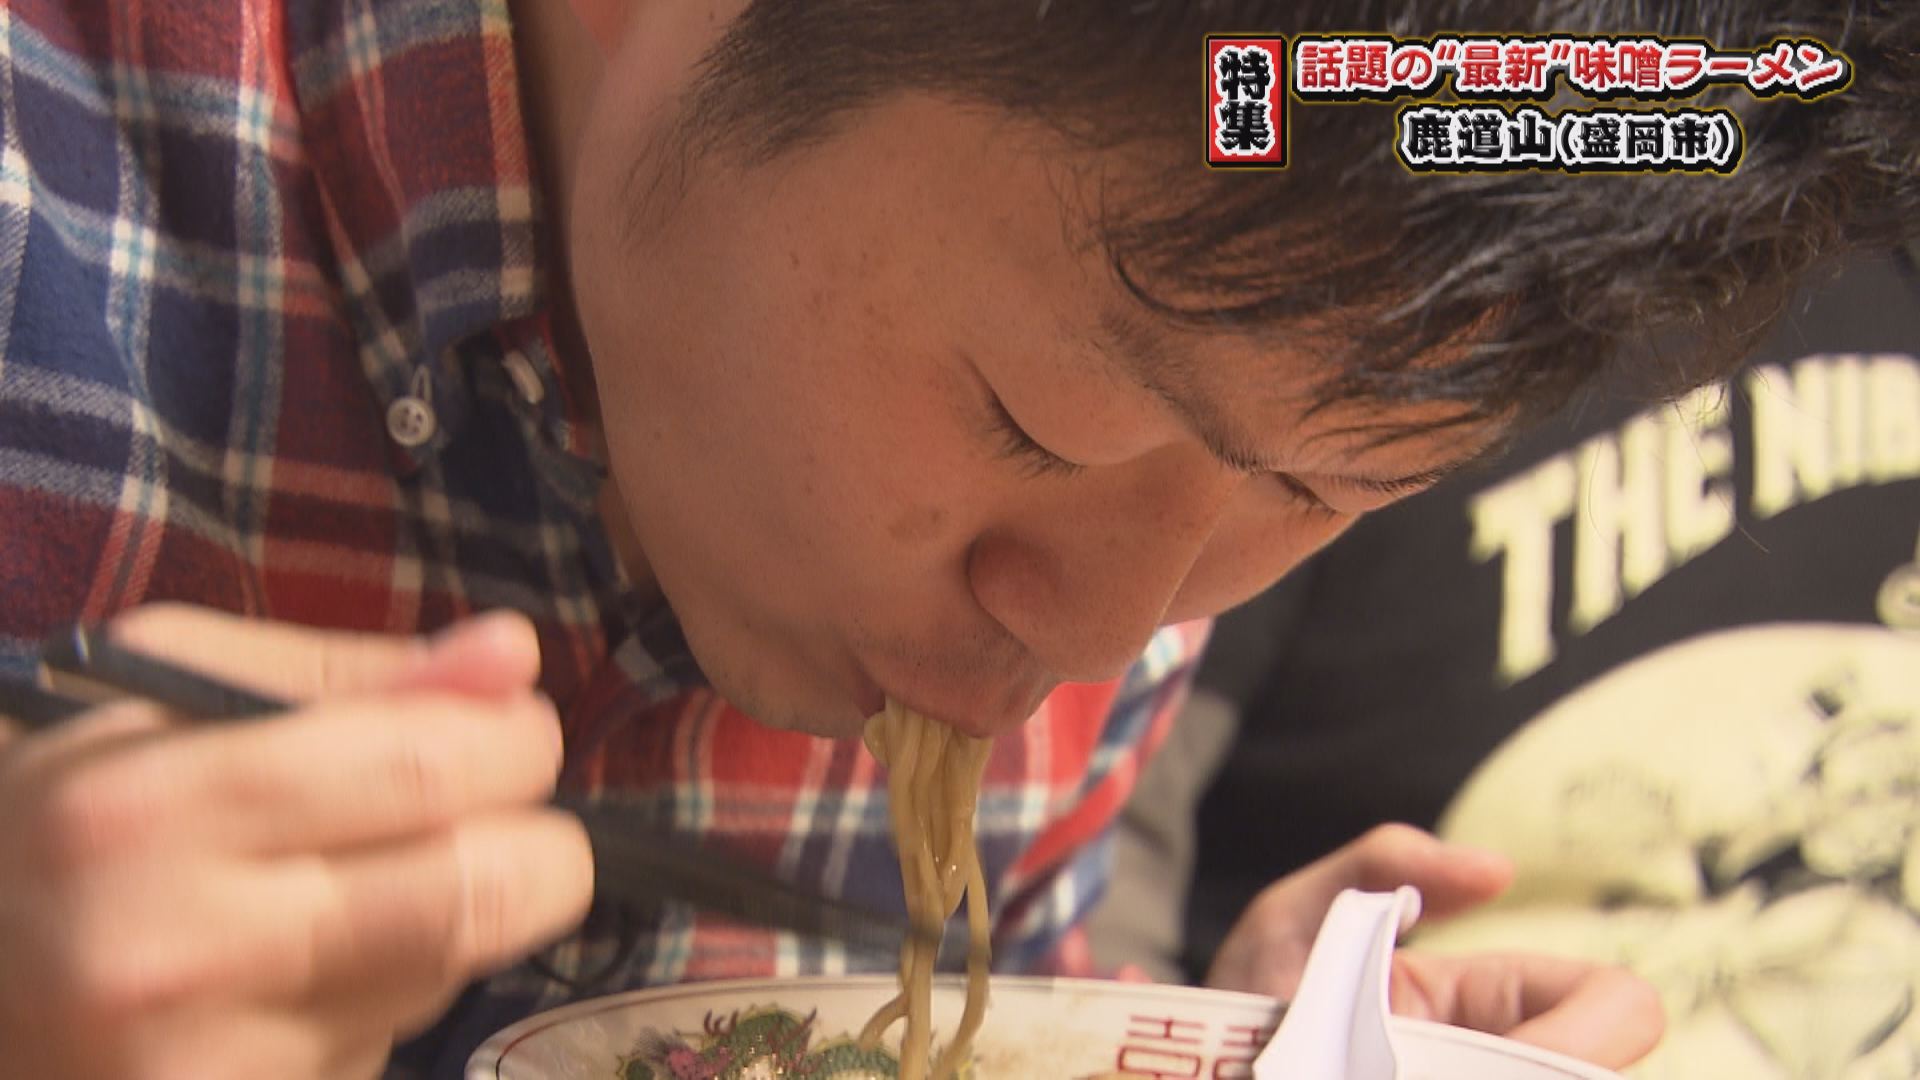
(750, 364)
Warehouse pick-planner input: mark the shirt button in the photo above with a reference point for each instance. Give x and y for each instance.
(410, 421)
(525, 379)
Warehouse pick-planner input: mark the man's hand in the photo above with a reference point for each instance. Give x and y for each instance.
(283, 897)
(1601, 1014)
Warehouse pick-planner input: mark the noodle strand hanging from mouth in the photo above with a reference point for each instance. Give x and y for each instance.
(933, 788)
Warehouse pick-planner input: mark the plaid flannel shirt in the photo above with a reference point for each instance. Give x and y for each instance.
(273, 339)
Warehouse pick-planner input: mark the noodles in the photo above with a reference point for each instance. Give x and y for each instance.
(933, 785)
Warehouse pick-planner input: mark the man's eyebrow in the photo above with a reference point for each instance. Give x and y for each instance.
(1163, 369)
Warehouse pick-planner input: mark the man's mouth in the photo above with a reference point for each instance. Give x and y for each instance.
(981, 715)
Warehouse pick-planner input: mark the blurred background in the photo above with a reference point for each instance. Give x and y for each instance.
(1666, 656)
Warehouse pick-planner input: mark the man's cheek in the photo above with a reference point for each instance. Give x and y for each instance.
(917, 524)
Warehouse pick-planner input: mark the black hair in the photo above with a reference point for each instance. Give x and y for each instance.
(1500, 292)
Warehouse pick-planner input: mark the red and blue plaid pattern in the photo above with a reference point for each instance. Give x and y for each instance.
(232, 234)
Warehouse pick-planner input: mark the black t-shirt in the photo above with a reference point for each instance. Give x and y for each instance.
(1669, 658)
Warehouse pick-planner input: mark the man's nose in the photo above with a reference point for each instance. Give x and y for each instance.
(1085, 587)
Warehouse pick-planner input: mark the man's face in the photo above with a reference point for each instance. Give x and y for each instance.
(808, 371)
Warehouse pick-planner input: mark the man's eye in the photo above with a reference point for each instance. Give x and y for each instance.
(1304, 495)
(1018, 446)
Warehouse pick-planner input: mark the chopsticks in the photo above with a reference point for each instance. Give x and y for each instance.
(87, 665)
(634, 865)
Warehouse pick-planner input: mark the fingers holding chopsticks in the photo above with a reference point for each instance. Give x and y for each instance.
(269, 665)
(329, 776)
(456, 731)
(489, 654)
(318, 881)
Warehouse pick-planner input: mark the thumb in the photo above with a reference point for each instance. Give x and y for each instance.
(487, 655)
(1451, 877)
(490, 654)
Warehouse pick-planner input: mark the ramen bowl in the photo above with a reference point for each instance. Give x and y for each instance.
(1036, 1029)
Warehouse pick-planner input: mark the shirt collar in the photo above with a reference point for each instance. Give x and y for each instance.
(414, 131)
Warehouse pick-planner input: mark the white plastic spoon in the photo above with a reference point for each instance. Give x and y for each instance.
(1336, 1026)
